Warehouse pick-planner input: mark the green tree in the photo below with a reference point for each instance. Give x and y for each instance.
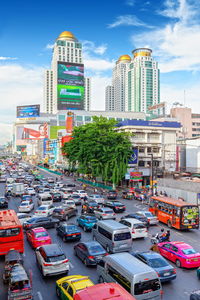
(98, 149)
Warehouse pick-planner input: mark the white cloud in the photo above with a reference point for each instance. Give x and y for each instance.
(128, 20)
(177, 44)
(97, 64)
(90, 47)
(6, 133)
(49, 46)
(7, 58)
(18, 86)
(130, 2)
(99, 84)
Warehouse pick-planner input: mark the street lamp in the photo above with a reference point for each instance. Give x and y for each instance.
(152, 173)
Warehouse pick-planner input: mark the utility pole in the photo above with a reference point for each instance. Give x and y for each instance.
(152, 173)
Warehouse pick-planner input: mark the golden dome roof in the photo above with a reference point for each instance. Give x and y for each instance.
(124, 57)
(66, 35)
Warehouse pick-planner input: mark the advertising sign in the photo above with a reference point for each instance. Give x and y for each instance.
(54, 131)
(28, 111)
(134, 157)
(70, 86)
(136, 176)
(32, 132)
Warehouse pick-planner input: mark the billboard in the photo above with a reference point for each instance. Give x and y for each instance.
(28, 111)
(134, 157)
(54, 131)
(31, 132)
(70, 86)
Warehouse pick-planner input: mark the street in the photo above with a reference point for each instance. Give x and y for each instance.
(179, 289)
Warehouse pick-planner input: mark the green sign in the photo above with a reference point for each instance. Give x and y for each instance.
(54, 131)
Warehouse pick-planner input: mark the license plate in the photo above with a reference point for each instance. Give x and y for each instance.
(166, 274)
(42, 241)
(73, 235)
(195, 259)
(189, 226)
(122, 246)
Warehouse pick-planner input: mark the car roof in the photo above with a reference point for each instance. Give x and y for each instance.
(52, 249)
(133, 221)
(149, 254)
(91, 243)
(77, 281)
(180, 244)
(38, 229)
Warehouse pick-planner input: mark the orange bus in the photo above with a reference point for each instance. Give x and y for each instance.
(11, 232)
(175, 213)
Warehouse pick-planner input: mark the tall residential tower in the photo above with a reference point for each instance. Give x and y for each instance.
(65, 85)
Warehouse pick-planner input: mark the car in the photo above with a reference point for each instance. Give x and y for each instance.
(76, 199)
(38, 237)
(195, 295)
(137, 216)
(69, 203)
(64, 213)
(90, 207)
(182, 254)
(81, 193)
(51, 260)
(164, 270)
(64, 194)
(70, 184)
(59, 184)
(3, 178)
(46, 222)
(56, 196)
(153, 220)
(50, 180)
(26, 198)
(3, 202)
(89, 252)
(116, 206)
(138, 229)
(30, 191)
(69, 232)
(26, 206)
(44, 210)
(23, 217)
(86, 222)
(97, 198)
(104, 213)
(67, 287)
(112, 195)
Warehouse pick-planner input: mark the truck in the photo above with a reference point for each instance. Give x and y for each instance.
(18, 189)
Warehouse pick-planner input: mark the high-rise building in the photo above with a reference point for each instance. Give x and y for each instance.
(69, 90)
(135, 83)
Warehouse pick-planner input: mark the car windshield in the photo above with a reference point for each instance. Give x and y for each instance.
(91, 219)
(96, 249)
(41, 234)
(42, 208)
(56, 258)
(71, 228)
(189, 251)
(56, 194)
(148, 214)
(76, 197)
(32, 220)
(117, 203)
(122, 236)
(157, 263)
(24, 204)
(147, 287)
(139, 226)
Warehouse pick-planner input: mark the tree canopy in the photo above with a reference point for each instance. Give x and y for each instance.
(98, 149)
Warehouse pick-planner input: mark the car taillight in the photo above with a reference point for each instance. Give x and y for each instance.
(91, 257)
(103, 214)
(47, 265)
(66, 260)
(133, 231)
(174, 271)
(62, 212)
(106, 254)
(158, 274)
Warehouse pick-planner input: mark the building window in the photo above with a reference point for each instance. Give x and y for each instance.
(141, 163)
(141, 149)
(148, 149)
(79, 118)
(87, 119)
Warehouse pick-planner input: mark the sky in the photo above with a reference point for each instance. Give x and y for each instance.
(107, 29)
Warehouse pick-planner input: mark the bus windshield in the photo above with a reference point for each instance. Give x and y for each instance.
(190, 215)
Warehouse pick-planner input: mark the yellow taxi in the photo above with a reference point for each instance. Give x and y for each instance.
(67, 287)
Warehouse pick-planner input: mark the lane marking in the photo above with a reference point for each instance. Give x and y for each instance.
(71, 265)
(39, 295)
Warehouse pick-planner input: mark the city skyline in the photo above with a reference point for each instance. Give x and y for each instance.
(108, 30)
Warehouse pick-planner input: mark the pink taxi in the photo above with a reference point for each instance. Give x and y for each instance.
(38, 237)
(182, 254)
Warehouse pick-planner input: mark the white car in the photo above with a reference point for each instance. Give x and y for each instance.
(81, 193)
(23, 217)
(26, 206)
(138, 229)
(153, 220)
(69, 203)
(97, 198)
(44, 211)
(65, 195)
(51, 260)
(30, 191)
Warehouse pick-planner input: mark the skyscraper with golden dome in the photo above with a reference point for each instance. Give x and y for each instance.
(65, 86)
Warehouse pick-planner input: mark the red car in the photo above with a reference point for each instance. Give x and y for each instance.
(38, 237)
(182, 254)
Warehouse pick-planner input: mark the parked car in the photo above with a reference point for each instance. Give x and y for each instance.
(38, 237)
(182, 254)
(57, 197)
(112, 195)
(67, 287)
(153, 220)
(164, 270)
(137, 216)
(64, 213)
(44, 210)
(116, 206)
(3, 202)
(97, 198)
(69, 232)
(195, 295)
(86, 222)
(51, 260)
(138, 230)
(26, 206)
(89, 252)
(103, 213)
(46, 222)
(23, 217)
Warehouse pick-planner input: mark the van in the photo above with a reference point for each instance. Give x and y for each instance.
(102, 291)
(140, 280)
(113, 236)
(45, 199)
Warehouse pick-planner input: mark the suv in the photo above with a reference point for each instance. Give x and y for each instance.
(64, 213)
(104, 213)
(112, 195)
(51, 260)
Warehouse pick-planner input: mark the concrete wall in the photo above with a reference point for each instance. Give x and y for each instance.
(177, 188)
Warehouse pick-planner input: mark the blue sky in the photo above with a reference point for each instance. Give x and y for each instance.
(107, 29)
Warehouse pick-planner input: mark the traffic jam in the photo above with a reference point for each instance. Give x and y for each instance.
(63, 240)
